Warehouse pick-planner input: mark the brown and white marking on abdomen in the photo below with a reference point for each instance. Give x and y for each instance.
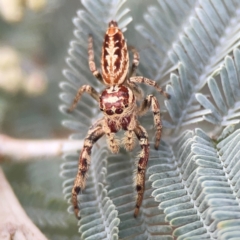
(115, 60)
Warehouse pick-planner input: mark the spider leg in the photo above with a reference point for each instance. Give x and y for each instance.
(83, 165)
(135, 62)
(112, 142)
(85, 88)
(152, 101)
(129, 138)
(91, 61)
(142, 165)
(137, 91)
(150, 83)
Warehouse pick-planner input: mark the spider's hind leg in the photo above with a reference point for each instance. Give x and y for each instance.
(135, 61)
(152, 101)
(137, 91)
(135, 88)
(83, 165)
(85, 88)
(91, 61)
(149, 82)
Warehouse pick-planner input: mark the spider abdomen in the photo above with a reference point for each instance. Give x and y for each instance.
(115, 58)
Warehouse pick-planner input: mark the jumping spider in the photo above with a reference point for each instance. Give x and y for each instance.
(118, 103)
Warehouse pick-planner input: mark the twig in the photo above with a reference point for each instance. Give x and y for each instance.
(14, 222)
(26, 150)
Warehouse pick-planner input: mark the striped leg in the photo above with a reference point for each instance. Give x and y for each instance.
(135, 62)
(112, 142)
(85, 88)
(150, 83)
(129, 137)
(83, 165)
(91, 61)
(142, 165)
(135, 88)
(129, 140)
(152, 101)
(137, 91)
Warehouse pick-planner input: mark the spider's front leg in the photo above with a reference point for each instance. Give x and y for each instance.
(85, 88)
(84, 161)
(152, 101)
(142, 165)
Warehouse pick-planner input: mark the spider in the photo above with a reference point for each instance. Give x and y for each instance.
(118, 104)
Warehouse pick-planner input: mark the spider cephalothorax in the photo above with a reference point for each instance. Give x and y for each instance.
(116, 100)
(118, 103)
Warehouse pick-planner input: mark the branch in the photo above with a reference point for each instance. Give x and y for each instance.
(26, 150)
(14, 222)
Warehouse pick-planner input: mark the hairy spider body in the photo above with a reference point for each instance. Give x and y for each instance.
(118, 102)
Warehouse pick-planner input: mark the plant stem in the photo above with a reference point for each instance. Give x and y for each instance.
(14, 222)
(19, 150)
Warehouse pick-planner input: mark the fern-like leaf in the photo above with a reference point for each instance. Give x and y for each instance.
(96, 209)
(199, 192)
(150, 223)
(198, 48)
(226, 107)
(164, 21)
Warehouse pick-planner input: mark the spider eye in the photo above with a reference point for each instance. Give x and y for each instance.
(101, 109)
(126, 105)
(119, 111)
(109, 112)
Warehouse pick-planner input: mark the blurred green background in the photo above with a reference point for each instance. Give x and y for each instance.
(33, 49)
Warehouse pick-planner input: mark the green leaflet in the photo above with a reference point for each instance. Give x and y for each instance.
(201, 193)
(195, 50)
(225, 109)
